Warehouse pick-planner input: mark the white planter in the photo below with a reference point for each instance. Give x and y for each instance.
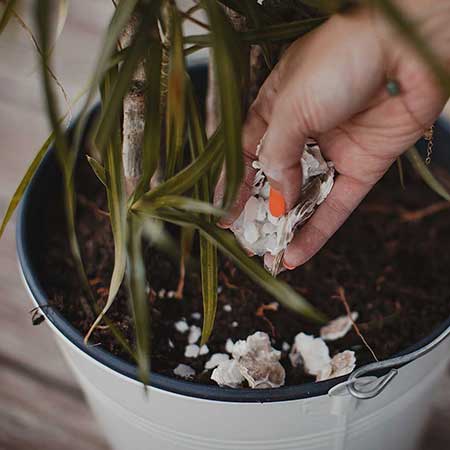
(161, 420)
(179, 415)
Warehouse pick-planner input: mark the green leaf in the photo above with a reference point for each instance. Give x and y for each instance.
(18, 194)
(427, 176)
(401, 174)
(209, 272)
(136, 280)
(176, 94)
(175, 201)
(269, 33)
(66, 159)
(7, 14)
(229, 65)
(98, 169)
(151, 146)
(186, 243)
(408, 28)
(117, 205)
(208, 250)
(189, 176)
(226, 242)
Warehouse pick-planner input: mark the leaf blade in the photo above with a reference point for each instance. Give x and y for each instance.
(427, 176)
(25, 181)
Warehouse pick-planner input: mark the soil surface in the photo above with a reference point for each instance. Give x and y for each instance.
(391, 258)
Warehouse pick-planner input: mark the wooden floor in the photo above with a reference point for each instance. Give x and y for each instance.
(41, 406)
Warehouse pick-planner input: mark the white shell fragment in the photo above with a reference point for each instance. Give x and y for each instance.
(184, 371)
(204, 350)
(313, 354)
(194, 334)
(196, 315)
(227, 373)
(338, 328)
(343, 363)
(215, 360)
(285, 347)
(192, 351)
(259, 362)
(256, 362)
(227, 308)
(229, 345)
(181, 326)
(258, 231)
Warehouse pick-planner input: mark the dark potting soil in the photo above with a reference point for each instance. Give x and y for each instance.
(391, 258)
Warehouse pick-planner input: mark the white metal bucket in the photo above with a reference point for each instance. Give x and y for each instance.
(134, 419)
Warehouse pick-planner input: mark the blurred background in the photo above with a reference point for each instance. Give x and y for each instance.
(41, 406)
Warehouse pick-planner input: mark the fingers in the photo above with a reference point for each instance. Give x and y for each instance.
(345, 196)
(281, 150)
(253, 131)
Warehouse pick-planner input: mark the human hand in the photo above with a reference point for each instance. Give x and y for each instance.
(331, 86)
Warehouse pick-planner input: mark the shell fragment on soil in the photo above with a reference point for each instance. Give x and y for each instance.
(192, 351)
(181, 326)
(258, 231)
(227, 373)
(194, 334)
(314, 356)
(215, 360)
(338, 327)
(184, 371)
(256, 361)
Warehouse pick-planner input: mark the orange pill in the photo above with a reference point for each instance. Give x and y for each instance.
(277, 205)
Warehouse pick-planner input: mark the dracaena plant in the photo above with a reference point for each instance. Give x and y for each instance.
(149, 115)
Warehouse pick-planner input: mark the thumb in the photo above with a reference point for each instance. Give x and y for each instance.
(281, 151)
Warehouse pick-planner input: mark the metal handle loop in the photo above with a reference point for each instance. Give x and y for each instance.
(354, 387)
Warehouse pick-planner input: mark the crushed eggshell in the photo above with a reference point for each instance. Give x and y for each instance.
(215, 360)
(181, 326)
(184, 371)
(311, 353)
(196, 315)
(227, 373)
(253, 360)
(259, 362)
(338, 327)
(194, 334)
(192, 351)
(204, 350)
(227, 308)
(258, 231)
(285, 347)
(341, 364)
(229, 345)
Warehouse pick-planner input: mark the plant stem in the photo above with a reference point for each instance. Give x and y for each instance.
(133, 115)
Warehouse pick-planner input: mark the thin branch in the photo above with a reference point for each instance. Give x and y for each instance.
(195, 20)
(341, 296)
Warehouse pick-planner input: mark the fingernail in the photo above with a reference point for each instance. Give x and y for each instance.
(287, 266)
(277, 205)
(223, 225)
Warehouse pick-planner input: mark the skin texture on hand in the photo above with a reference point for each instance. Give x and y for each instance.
(331, 86)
